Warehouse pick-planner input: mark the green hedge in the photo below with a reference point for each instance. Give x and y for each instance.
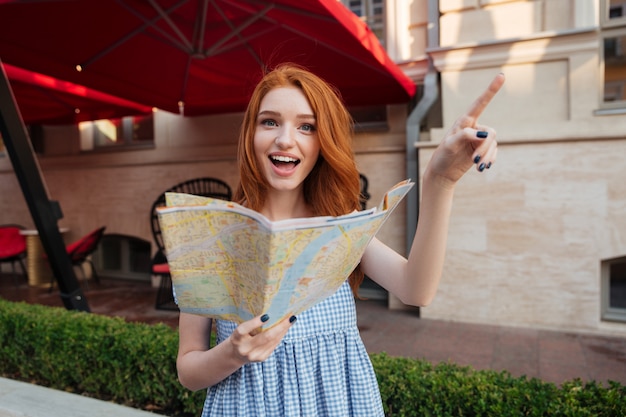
(94, 355)
(134, 364)
(412, 387)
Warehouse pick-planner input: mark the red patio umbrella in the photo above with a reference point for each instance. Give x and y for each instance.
(46, 100)
(201, 55)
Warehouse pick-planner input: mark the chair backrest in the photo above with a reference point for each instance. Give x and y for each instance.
(12, 243)
(85, 246)
(205, 187)
(364, 194)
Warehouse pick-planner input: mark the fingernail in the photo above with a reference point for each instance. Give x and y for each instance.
(265, 318)
(476, 159)
(489, 165)
(481, 167)
(481, 134)
(292, 319)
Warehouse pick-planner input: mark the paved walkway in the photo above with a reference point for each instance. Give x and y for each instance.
(548, 355)
(20, 399)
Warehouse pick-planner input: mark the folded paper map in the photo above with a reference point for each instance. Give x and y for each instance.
(232, 263)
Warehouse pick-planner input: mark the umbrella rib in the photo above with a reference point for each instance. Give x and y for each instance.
(300, 33)
(241, 41)
(237, 32)
(185, 46)
(289, 9)
(200, 26)
(165, 16)
(147, 23)
(341, 52)
(198, 40)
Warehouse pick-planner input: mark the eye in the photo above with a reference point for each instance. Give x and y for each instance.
(307, 127)
(269, 122)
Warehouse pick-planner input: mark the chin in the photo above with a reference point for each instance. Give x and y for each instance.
(285, 184)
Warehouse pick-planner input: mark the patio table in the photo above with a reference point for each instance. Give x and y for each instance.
(39, 271)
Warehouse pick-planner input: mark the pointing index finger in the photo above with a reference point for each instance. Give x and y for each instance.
(480, 104)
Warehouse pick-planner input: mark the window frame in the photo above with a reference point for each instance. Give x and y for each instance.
(611, 28)
(606, 21)
(609, 313)
(367, 9)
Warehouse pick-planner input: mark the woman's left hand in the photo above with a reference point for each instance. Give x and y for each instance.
(468, 142)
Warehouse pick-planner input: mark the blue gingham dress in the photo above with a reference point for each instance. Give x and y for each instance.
(321, 368)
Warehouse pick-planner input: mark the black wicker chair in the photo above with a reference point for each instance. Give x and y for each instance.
(364, 194)
(205, 187)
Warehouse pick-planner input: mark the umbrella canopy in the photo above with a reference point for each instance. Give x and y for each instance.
(203, 56)
(46, 100)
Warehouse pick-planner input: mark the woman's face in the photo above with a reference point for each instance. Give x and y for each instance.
(285, 139)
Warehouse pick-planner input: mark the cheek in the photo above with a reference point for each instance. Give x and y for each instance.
(314, 149)
(259, 146)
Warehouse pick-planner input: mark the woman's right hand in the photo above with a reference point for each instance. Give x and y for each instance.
(250, 344)
(200, 367)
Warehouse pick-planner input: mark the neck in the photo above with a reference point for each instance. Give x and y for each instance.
(285, 205)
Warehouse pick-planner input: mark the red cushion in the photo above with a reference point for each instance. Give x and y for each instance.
(84, 246)
(11, 242)
(72, 246)
(161, 268)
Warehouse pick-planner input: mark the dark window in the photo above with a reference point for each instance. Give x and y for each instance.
(615, 69)
(617, 286)
(614, 289)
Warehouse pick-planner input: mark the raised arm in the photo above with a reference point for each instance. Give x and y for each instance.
(415, 281)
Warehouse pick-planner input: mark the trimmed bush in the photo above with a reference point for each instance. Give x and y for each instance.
(98, 356)
(134, 364)
(412, 387)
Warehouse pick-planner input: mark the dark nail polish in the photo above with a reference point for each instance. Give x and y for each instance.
(265, 318)
(292, 319)
(476, 159)
(481, 167)
(489, 165)
(481, 134)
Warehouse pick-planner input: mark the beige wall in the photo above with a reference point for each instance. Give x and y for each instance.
(527, 237)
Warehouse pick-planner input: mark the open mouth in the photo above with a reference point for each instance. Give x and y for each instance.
(279, 160)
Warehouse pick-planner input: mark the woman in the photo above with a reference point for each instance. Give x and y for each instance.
(296, 160)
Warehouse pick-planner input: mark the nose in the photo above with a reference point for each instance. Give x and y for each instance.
(285, 137)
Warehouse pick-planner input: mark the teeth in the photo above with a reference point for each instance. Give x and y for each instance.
(280, 158)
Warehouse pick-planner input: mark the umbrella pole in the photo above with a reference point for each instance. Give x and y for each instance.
(45, 212)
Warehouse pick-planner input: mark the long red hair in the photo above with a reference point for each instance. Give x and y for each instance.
(332, 188)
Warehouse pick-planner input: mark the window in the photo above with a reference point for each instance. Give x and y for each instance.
(372, 12)
(127, 132)
(614, 13)
(614, 53)
(369, 118)
(614, 289)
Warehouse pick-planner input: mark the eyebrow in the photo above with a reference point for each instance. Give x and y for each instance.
(275, 113)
